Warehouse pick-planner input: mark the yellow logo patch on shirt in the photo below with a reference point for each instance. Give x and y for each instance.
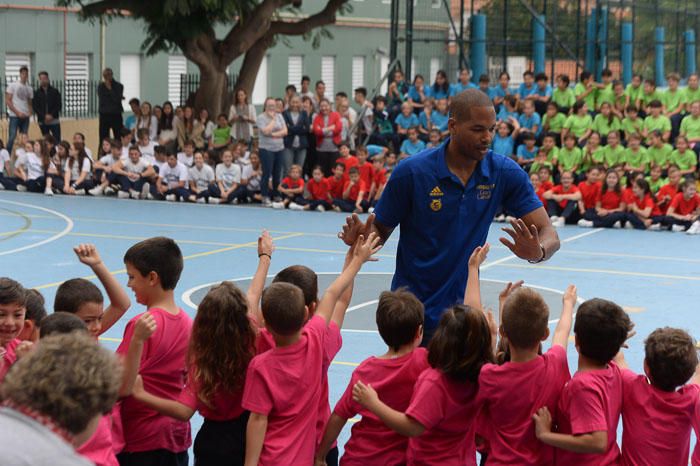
(483, 191)
(436, 192)
(436, 205)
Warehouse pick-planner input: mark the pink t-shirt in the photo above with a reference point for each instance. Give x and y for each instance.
(9, 358)
(224, 406)
(371, 442)
(332, 343)
(695, 459)
(448, 411)
(656, 424)
(285, 385)
(591, 402)
(163, 371)
(511, 394)
(98, 448)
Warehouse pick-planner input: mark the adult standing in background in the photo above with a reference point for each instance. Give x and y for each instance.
(241, 117)
(327, 127)
(297, 140)
(271, 132)
(18, 97)
(47, 106)
(110, 94)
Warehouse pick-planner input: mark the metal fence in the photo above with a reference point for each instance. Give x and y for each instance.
(189, 83)
(79, 97)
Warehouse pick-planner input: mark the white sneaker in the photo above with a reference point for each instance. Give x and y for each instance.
(48, 192)
(21, 188)
(561, 221)
(320, 208)
(109, 191)
(510, 219)
(79, 192)
(617, 224)
(96, 191)
(295, 206)
(500, 219)
(123, 195)
(677, 228)
(266, 202)
(134, 194)
(654, 227)
(214, 200)
(234, 201)
(201, 200)
(170, 198)
(370, 210)
(149, 196)
(2, 187)
(694, 228)
(629, 226)
(277, 205)
(145, 190)
(553, 219)
(583, 223)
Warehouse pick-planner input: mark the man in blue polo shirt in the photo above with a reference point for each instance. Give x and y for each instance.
(445, 198)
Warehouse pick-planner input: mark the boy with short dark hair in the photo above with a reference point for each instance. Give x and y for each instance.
(154, 267)
(354, 191)
(104, 170)
(61, 323)
(133, 175)
(392, 375)
(13, 298)
(172, 180)
(590, 404)
(35, 313)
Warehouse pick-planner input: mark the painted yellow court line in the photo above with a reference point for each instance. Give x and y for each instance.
(190, 256)
(600, 271)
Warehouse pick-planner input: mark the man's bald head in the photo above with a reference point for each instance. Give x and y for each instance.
(463, 102)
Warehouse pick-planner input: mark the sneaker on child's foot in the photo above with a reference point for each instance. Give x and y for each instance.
(295, 206)
(500, 218)
(21, 188)
(201, 200)
(583, 223)
(109, 190)
(510, 219)
(96, 191)
(337, 209)
(134, 194)
(122, 195)
(214, 200)
(370, 210)
(48, 192)
(278, 205)
(171, 198)
(552, 219)
(266, 202)
(677, 228)
(694, 228)
(234, 201)
(559, 223)
(617, 224)
(2, 187)
(629, 226)
(145, 190)
(655, 227)
(320, 208)
(79, 192)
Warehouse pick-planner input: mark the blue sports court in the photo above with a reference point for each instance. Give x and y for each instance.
(654, 276)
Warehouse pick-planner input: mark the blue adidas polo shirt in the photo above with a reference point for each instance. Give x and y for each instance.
(442, 221)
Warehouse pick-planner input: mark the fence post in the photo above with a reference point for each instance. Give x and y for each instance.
(659, 39)
(602, 36)
(477, 51)
(626, 34)
(538, 43)
(689, 37)
(591, 40)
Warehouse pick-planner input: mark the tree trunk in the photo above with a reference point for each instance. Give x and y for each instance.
(212, 92)
(251, 65)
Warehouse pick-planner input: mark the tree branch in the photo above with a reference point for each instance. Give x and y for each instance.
(298, 28)
(251, 63)
(100, 8)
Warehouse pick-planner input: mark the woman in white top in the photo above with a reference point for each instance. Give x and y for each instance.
(5, 181)
(271, 132)
(207, 123)
(241, 116)
(148, 120)
(35, 169)
(77, 172)
(168, 127)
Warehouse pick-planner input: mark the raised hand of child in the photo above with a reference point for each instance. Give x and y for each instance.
(508, 290)
(543, 422)
(87, 254)
(479, 255)
(366, 248)
(570, 296)
(364, 394)
(265, 244)
(145, 327)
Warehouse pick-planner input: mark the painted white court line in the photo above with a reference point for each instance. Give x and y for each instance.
(62, 233)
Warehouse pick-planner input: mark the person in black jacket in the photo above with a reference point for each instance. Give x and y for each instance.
(110, 94)
(47, 106)
(296, 142)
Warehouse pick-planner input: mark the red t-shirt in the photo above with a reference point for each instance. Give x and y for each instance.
(591, 402)
(366, 172)
(628, 196)
(540, 194)
(335, 186)
(589, 193)
(355, 190)
(559, 189)
(289, 183)
(666, 190)
(379, 178)
(547, 185)
(648, 201)
(610, 200)
(9, 358)
(448, 411)
(656, 424)
(318, 190)
(163, 371)
(349, 162)
(223, 405)
(683, 206)
(99, 449)
(511, 394)
(285, 385)
(371, 442)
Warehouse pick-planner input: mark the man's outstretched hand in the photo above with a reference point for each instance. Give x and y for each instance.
(526, 241)
(354, 227)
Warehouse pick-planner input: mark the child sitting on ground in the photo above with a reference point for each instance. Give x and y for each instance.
(200, 177)
(292, 190)
(133, 174)
(228, 186)
(318, 189)
(562, 201)
(354, 192)
(172, 180)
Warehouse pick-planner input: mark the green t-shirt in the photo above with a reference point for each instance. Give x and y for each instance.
(685, 161)
(672, 100)
(662, 123)
(568, 159)
(613, 155)
(552, 155)
(564, 98)
(634, 93)
(602, 126)
(591, 158)
(578, 124)
(691, 95)
(535, 167)
(659, 155)
(647, 98)
(630, 127)
(621, 101)
(636, 159)
(605, 94)
(221, 135)
(589, 99)
(690, 127)
(555, 124)
(656, 185)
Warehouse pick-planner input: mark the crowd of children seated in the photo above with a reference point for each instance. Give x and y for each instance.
(255, 366)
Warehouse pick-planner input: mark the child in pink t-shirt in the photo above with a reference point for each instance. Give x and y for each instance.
(441, 417)
(283, 385)
(153, 267)
(13, 298)
(512, 392)
(590, 404)
(658, 408)
(392, 375)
